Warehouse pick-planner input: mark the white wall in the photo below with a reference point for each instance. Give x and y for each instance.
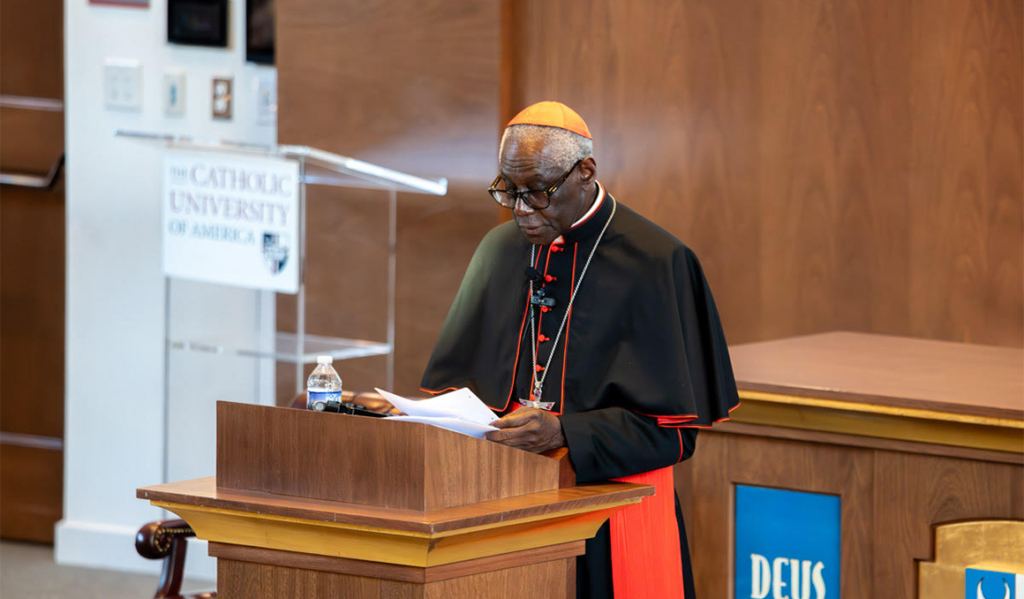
(115, 413)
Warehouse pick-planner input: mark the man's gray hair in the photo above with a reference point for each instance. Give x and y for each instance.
(564, 148)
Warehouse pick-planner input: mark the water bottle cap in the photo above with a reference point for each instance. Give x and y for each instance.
(324, 360)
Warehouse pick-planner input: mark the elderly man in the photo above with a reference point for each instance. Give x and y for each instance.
(587, 326)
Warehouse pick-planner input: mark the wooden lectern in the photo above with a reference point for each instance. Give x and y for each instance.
(308, 505)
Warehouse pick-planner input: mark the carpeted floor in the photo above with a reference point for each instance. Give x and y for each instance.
(27, 571)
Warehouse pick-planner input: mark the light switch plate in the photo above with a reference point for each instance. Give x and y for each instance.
(222, 98)
(122, 84)
(266, 101)
(174, 92)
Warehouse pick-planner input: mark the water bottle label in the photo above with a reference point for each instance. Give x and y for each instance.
(318, 400)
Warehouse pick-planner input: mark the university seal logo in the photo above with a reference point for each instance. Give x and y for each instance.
(275, 251)
(1005, 595)
(991, 584)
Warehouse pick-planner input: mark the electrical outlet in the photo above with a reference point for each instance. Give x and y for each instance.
(174, 92)
(122, 84)
(222, 98)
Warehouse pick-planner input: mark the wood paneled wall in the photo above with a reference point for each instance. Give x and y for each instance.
(836, 164)
(32, 264)
(849, 164)
(411, 86)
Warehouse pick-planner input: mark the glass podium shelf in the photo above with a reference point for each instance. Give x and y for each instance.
(286, 348)
(320, 167)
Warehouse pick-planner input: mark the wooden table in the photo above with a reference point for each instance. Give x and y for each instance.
(910, 433)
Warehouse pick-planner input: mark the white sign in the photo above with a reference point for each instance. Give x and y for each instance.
(232, 220)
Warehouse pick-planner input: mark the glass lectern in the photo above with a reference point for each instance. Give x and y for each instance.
(313, 167)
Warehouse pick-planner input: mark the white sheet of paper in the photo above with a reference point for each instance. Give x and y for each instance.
(462, 404)
(460, 411)
(453, 424)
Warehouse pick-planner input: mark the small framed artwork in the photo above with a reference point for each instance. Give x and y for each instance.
(259, 31)
(198, 22)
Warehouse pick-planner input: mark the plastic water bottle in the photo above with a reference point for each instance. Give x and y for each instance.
(323, 388)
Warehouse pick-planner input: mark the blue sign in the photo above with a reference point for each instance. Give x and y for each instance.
(787, 544)
(989, 584)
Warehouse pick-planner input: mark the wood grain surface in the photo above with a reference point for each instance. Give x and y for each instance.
(913, 493)
(31, 492)
(836, 165)
(548, 580)
(410, 86)
(566, 472)
(32, 49)
(32, 260)
(891, 497)
(337, 565)
(832, 438)
(728, 460)
(243, 580)
(32, 304)
(369, 461)
(35, 141)
(883, 370)
(239, 579)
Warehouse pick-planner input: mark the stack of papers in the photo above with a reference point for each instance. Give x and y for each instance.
(459, 411)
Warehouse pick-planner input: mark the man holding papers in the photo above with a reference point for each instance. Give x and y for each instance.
(584, 325)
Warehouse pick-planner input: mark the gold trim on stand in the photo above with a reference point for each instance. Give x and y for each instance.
(887, 422)
(853, 406)
(392, 546)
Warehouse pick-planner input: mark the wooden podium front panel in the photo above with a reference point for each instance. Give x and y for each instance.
(890, 501)
(368, 461)
(245, 580)
(909, 433)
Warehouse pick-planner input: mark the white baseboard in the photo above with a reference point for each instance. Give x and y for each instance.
(112, 547)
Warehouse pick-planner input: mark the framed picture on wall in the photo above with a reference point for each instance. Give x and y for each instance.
(198, 22)
(259, 31)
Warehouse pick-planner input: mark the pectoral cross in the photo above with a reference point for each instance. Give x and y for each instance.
(534, 401)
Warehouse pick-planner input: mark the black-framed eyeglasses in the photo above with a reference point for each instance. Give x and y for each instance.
(538, 199)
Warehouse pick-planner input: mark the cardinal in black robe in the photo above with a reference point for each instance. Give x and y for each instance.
(585, 325)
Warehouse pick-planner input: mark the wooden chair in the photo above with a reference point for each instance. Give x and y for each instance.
(166, 540)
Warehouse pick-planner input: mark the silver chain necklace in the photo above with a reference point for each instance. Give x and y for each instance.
(538, 383)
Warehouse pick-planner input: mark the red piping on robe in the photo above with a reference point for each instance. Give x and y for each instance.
(646, 561)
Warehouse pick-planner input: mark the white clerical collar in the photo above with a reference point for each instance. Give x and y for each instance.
(593, 209)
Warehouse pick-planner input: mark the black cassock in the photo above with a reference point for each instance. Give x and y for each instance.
(641, 364)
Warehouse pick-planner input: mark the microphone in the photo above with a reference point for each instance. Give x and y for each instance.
(539, 297)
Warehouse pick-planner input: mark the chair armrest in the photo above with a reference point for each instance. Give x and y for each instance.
(156, 539)
(166, 540)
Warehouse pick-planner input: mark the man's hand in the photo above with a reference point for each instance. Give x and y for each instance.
(530, 429)
(374, 402)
